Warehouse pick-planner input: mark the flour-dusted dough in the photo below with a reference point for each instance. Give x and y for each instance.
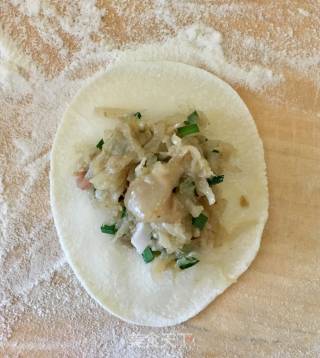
(114, 274)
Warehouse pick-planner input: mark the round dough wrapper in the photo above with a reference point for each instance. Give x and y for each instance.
(114, 274)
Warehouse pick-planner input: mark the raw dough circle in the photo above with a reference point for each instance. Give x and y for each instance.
(115, 275)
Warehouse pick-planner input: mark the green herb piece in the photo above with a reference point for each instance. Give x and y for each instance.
(124, 212)
(187, 130)
(109, 229)
(186, 262)
(200, 221)
(192, 118)
(138, 115)
(156, 253)
(100, 144)
(147, 255)
(215, 179)
(215, 151)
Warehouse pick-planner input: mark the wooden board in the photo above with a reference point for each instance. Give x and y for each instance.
(274, 309)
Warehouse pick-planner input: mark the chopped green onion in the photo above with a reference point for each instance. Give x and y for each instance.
(186, 262)
(192, 118)
(147, 255)
(100, 144)
(138, 115)
(109, 229)
(215, 151)
(187, 130)
(215, 179)
(200, 221)
(124, 212)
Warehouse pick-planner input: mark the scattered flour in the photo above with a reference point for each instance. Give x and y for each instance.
(12, 67)
(28, 7)
(44, 60)
(303, 12)
(200, 45)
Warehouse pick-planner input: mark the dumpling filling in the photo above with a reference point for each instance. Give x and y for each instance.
(155, 181)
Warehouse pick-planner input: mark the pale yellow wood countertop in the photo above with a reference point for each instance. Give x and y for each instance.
(274, 308)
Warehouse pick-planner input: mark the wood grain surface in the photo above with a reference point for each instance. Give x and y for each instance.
(274, 308)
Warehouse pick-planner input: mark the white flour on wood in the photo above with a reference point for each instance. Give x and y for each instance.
(58, 47)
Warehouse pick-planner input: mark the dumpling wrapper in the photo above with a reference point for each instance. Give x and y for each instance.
(114, 274)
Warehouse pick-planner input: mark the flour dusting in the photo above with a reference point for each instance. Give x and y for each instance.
(48, 50)
(200, 45)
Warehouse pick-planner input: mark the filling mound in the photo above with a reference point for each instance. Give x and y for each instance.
(155, 181)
